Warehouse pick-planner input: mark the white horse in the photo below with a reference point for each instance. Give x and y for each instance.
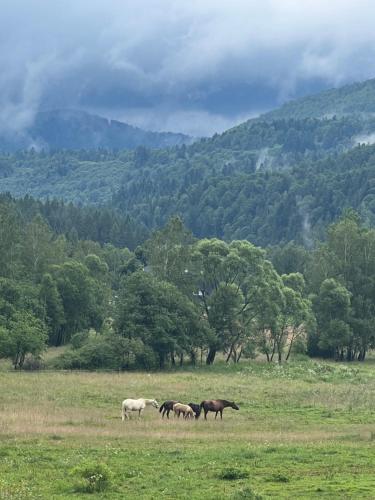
(136, 405)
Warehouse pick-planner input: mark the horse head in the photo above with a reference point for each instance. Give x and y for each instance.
(155, 404)
(234, 406)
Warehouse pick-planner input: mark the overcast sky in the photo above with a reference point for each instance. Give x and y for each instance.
(196, 66)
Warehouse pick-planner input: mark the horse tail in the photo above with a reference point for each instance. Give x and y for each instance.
(161, 407)
(201, 405)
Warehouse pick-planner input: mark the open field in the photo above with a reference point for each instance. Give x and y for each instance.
(305, 430)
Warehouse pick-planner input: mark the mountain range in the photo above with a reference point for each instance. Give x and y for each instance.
(73, 129)
(280, 177)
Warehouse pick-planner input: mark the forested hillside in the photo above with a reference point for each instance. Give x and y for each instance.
(214, 195)
(102, 225)
(72, 129)
(274, 179)
(261, 206)
(357, 98)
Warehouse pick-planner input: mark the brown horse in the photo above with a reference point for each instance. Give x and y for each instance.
(217, 405)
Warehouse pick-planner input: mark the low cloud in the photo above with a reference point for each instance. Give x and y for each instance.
(364, 139)
(190, 66)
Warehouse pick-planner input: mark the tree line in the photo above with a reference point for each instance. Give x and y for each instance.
(177, 299)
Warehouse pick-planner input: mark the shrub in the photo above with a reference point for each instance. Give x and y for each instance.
(33, 363)
(79, 339)
(233, 474)
(109, 352)
(96, 353)
(279, 478)
(92, 477)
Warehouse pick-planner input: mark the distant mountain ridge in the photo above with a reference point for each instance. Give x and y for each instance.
(280, 177)
(356, 98)
(72, 129)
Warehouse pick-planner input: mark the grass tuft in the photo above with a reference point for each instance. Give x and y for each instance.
(92, 477)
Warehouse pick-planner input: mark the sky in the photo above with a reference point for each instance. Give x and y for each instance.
(196, 66)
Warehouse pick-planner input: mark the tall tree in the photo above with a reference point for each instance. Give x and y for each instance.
(54, 309)
(158, 314)
(236, 273)
(25, 334)
(332, 309)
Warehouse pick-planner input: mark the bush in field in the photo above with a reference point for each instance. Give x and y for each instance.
(33, 363)
(96, 353)
(233, 474)
(106, 351)
(92, 477)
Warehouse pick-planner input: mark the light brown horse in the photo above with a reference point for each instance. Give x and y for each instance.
(186, 410)
(217, 405)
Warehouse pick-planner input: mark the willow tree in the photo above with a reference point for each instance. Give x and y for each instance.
(231, 280)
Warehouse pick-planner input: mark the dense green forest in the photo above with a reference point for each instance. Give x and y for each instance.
(283, 176)
(246, 243)
(265, 182)
(103, 225)
(176, 299)
(263, 207)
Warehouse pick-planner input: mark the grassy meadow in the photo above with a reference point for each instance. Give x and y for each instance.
(304, 430)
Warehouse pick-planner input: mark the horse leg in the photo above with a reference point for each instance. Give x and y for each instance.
(221, 414)
(140, 413)
(216, 414)
(168, 411)
(205, 414)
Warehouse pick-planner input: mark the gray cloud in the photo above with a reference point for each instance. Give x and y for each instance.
(197, 66)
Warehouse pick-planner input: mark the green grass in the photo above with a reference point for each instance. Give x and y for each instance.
(305, 430)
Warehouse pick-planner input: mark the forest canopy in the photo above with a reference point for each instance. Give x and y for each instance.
(177, 299)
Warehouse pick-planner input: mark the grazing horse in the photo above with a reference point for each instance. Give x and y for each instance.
(187, 412)
(196, 409)
(217, 405)
(136, 405)
(167, 407)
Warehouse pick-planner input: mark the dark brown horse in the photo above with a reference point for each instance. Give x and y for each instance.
(196, 408)
(167, 407)
(217, 405)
